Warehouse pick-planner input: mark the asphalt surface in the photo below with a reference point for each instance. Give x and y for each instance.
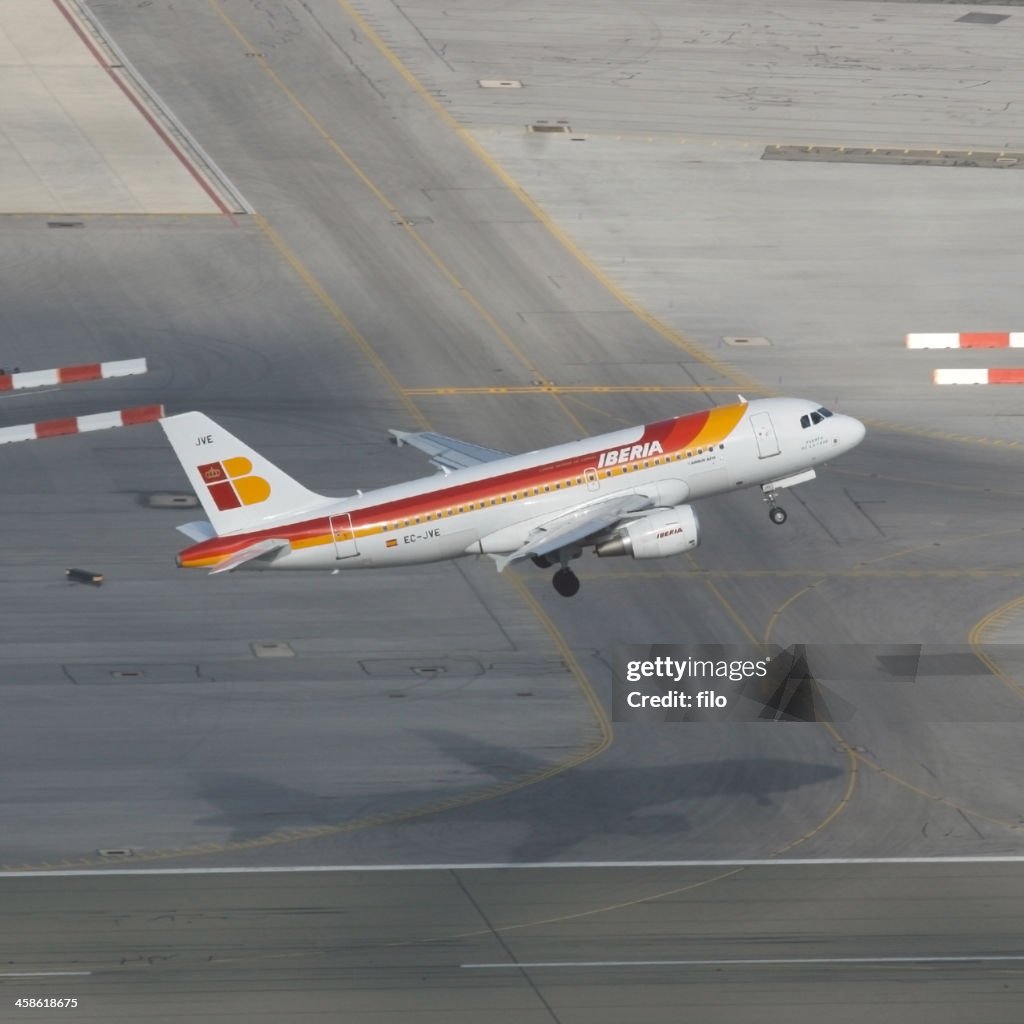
(716, 943)
(393, 276)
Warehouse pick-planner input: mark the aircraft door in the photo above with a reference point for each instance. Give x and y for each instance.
(344, 536)
(593, 484)
(764, 432)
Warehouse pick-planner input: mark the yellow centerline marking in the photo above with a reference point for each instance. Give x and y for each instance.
(733, 614)
(844, 800)
(976, 638)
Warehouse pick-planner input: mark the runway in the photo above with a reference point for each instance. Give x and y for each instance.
(911, 942)
(416, 257)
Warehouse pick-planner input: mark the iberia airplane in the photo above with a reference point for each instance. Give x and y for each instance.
(623, 493)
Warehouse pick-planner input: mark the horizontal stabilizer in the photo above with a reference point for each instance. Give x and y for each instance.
(260, 549)
(198, 531)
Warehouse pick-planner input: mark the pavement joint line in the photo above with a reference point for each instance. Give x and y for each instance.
(746, 142)
(762, 862)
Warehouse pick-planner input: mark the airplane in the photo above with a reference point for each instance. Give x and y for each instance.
(627, 492)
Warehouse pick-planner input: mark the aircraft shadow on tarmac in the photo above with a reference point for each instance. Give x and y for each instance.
(589, 803)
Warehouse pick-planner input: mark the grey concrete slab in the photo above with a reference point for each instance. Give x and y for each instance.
(849, 73)
(74, 133)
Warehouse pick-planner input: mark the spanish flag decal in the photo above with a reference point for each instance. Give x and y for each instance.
(391, 544)
(232, 485)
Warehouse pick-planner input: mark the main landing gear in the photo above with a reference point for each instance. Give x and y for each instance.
(565, 581)
(775, 514)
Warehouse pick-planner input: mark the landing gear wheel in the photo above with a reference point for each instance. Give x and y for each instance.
(541, 561)
(566, 582)
(777, 515)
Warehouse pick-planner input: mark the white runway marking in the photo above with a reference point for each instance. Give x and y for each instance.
(47, 974)
(527, 866)
(774, 962)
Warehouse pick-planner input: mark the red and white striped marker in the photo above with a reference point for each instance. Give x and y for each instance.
(998, 339)
(81, 424)
(71, 374)
(996, 376)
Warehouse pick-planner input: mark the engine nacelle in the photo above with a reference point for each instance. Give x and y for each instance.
(667, 531)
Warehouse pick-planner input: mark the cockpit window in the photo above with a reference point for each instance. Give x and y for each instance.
(805, 421)
(825, 412)
(815, 418)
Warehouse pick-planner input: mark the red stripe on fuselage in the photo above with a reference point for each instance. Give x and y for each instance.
(673, 435)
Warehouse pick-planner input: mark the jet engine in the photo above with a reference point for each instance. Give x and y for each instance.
(664, 532)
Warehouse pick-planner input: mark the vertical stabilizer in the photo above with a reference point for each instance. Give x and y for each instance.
(239, 489)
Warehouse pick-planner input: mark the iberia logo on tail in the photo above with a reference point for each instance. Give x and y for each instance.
(231, 484)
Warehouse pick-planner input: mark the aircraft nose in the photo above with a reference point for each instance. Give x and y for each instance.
(854, 430)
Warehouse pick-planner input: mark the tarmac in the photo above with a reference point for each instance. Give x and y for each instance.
(395, 248)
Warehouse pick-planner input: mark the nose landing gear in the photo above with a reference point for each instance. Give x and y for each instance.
(776, 514)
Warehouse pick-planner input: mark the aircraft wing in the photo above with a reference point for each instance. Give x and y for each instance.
(447, 453)
(569, 529)
(257, 550)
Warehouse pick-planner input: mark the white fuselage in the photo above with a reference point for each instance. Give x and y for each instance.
(494, 507)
